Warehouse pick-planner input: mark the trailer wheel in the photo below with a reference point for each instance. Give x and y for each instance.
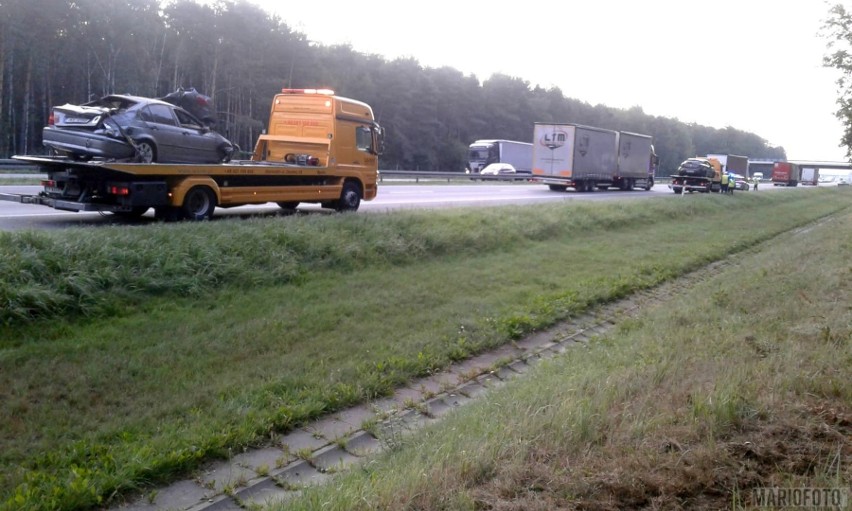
(649, 184)
(199, 203)
(557, 188)
(146, 152)
(350, 197)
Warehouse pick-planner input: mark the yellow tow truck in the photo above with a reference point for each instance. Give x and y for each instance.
(318, 148)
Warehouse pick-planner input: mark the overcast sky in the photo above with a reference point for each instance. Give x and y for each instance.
(755, 65)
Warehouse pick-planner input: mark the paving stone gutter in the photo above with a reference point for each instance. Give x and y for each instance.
(313, 453)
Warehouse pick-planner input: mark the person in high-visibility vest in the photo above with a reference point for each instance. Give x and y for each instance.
(724, 182)
(756, 182)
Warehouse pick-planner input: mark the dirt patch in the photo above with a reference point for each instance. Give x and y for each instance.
(796, 448)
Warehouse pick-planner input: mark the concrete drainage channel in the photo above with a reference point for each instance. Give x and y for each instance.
(312, 454)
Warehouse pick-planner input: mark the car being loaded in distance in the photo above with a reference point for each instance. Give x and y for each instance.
(133, 128)
(740, 182)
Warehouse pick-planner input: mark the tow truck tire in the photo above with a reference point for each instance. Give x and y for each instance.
(350, 197)
(199, 203)
(146, 152)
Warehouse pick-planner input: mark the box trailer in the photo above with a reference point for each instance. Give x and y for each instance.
(786, 174)
(732, 163)
(637, 161)
(810, 176)
(572, 155)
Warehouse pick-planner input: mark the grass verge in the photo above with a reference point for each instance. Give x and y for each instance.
(199, 338)
(740, 384)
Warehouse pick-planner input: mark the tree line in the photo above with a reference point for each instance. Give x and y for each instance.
(71, 51)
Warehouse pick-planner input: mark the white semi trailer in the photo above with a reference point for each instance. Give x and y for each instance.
(585, 158)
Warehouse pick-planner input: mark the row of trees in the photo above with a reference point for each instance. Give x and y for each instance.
(53, 52)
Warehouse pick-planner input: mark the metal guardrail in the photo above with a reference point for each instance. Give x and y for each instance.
(9, 165)
(417, 176)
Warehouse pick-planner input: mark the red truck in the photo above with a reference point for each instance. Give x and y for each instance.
(785, 173)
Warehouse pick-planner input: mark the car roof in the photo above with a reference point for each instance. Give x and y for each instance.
(132, 98)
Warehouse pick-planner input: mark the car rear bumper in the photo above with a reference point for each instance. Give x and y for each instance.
(85, 143)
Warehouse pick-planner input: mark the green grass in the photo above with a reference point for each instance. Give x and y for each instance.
(740, 383)
(199, 338)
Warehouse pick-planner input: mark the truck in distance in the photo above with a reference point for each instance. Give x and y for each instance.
(732, 164)
(585, 158)
(786, 174)
(318, 148)
(810, 176)
(485, 152)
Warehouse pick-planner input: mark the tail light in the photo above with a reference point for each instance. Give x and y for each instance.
(51, 119)
(119, 190)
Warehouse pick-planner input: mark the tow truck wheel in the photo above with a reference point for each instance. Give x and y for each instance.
(146, 152)
(199, 203)
(350, 197)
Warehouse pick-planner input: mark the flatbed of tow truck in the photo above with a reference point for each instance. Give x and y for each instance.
(126, 188)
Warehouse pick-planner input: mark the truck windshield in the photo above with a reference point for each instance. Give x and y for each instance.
(479, 154)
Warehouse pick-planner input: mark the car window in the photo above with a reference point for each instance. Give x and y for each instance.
(161, 114)
(186, 120)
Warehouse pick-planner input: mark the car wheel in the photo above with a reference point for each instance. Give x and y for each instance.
(146, 152)
(350, 197)
(288, 205)
(199, 203)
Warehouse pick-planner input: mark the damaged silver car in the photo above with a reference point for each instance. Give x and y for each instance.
(133, 128)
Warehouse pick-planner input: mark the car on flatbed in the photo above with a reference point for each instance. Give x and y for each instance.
(133, 128)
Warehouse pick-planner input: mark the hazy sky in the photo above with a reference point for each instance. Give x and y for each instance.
(755, 65)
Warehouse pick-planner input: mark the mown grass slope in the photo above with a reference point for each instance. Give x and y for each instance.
(740, 384)
(128, 355)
